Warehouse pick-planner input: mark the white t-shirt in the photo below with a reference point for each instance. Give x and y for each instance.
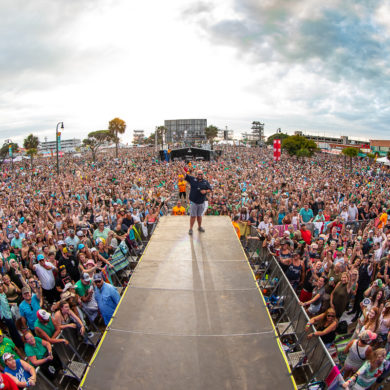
(45, 276)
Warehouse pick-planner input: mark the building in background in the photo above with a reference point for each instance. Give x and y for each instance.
(189, 131)
(380, 146)
(343, 140)
(138, 137)
(67, 146)
(224, 135)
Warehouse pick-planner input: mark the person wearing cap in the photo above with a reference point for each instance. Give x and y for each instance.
(357, 352)
(85, 291)
(7, 318)
(72, 239)
(107, 297)
(60, 247)
(22, 373)
(7, 345)
(46, 329)
(44, 270)
(199, 188)
(41, 354)
(29, 306)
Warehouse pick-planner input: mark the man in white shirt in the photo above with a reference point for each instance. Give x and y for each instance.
(44, 271)
(353, 212)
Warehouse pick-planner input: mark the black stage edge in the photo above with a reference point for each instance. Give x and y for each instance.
(192, 317)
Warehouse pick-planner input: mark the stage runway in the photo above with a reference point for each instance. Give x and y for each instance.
(192, 317)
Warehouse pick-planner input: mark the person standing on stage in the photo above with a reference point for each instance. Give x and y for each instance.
(182, 188)
(199, 187)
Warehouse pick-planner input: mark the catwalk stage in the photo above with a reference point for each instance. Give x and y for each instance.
(192, 317)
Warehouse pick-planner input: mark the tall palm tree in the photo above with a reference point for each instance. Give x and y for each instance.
(115, 127)
(31, 145)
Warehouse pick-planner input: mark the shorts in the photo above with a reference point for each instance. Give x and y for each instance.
(196, 209)
(182, 195)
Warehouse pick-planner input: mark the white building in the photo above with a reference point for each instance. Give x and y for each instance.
(67, 145)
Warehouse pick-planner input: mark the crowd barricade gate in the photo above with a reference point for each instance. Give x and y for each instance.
(67, 354)
(43, 383)
(308, 358)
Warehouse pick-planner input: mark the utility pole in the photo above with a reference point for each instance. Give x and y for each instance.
(57, 144)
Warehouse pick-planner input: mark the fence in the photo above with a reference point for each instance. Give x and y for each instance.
(309, 359)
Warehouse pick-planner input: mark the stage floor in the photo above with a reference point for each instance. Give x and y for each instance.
(192, 318)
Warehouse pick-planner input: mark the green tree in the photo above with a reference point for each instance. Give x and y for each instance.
(96, 139)
(31, 145)
(297, 145)
(211, 132)
(115, 127)
(281, 136)
(4, 151)
(351, 152)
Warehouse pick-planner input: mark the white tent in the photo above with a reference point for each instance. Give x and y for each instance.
(383, 160)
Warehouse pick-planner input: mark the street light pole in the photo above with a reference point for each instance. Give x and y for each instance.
(58, 164)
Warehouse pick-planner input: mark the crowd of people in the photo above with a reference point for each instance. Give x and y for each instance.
(326, 225)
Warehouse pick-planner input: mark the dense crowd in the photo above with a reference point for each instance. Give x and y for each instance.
(327, 226)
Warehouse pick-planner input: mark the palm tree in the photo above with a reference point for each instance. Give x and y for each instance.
(211, 132)
(351, 152)
(115, 127)
(31, 145)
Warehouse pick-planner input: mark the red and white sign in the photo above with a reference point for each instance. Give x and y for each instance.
(277, 149)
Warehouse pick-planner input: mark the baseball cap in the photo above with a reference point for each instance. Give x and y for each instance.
(97, 277)
(379, 283)
(7, 355)
(80, 233)
(81, 246)
(26, 290)
(367, 335)
(67, 287)
(40, 257)
(61, 242)
(86, 277)
(93, 249)
(43, 315)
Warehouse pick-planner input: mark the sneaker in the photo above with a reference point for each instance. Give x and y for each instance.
(201, 229)
(190, 232)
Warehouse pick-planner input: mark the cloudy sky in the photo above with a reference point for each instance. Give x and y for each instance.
(321, 67)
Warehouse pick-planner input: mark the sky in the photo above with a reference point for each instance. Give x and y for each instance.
(294, 65)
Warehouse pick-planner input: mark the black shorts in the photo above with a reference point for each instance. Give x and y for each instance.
(182, 194)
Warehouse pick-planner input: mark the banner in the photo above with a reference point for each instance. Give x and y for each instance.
(277, 149)
(10, 150)
(59, 141)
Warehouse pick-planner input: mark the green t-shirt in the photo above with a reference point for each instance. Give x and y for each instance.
(48, 328)
(81, 289)
(7, 346)
(37, 350)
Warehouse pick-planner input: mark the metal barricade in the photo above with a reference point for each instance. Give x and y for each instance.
(308, 358)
